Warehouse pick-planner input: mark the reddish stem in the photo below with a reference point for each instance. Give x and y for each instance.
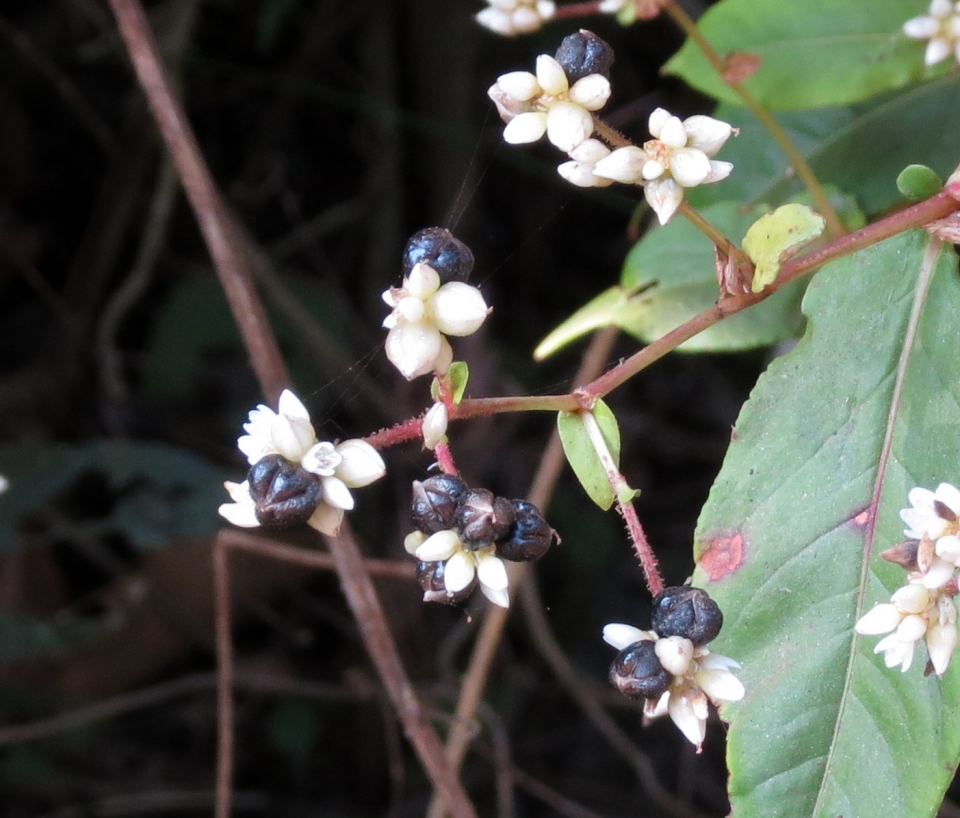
(445, 459)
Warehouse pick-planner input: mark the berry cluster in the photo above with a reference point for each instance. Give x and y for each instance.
(463, 535)
(670, 665)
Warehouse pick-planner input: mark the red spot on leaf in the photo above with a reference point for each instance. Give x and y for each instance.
(722, 556)
(861, 519)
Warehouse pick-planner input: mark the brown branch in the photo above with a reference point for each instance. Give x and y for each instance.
(205, 199)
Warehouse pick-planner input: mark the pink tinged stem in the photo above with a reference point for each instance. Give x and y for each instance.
(624, 496)
(445, 459)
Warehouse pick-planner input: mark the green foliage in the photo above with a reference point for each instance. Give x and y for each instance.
(859, 149)
(813, 54)
(788, 545)
(776, 236)
(458, 375)
(583, 457)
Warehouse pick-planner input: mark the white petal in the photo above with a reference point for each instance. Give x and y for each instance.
(326, 519)
(413, 541)
(336, 493)
(458, 571)
(672, 133)
(655, 123)
(546, 9)
(254, 447)
(675, 654)
(439, 546)
(321, 459)
(620, 636)
(664, 196)
(716, 661)
(948, 549)
(938, 49)
(551, 76)
(706, 133)
(422, 282)
(444, 358)
(501, 598)
(911, 599)
(689, 166)
(718, 171)
(239, 492)
(896, 652)
(491, 572)
(240, 514)
(590, 151)
(434, 428)
(653, 169)
(949, 496)
(409, 309)
(938, 574)
(521, 85)
(882, 619)
(291, 406)
(623, 165)
(524, 128)
(581, 174)
(921, 28)
(458, 308)
(496, 21)
(941, 643)
(525, 20)
(912, 628)
(940, 8)
(592, 92)
(720, 685)
(361, 464)
(413, 348)
(292, 437)
(685, 710)
(568, 125)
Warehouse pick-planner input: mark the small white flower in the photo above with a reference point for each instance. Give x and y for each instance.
(289, 433)
(461, 564)
(511, 17)
(932, 512)
(914, 612)
(679, 156)
(699, 676)
(941, 26)
(434, 426)
(423, 312)
(545, 103)
(579, 171)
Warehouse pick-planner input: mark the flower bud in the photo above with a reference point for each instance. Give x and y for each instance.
(430, 575)
(637, 672)
(441, 250)
(435, 502)
(529, 537)
(483, 518)
(584, 53)
(687, 612)
(283, 493)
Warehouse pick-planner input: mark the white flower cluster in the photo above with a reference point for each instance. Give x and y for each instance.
(461, 565)
(924, 607)
(546, 103)
(679, 156)
(289, 433)
(512, 17)
(698, 674)
(941, 26)
(423, 312)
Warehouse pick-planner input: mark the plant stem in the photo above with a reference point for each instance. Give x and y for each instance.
(624, 499)
(834, 224)
(710, 231)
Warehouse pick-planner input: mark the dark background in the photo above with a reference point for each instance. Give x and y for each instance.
(336, 129)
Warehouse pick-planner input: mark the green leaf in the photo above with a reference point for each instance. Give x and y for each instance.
(918, 182)
(583, 457)
(459, 374)
(680, 259)
(813, 54)
(788, 545)
(860, 150)
(603, 311)
(776, 236)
